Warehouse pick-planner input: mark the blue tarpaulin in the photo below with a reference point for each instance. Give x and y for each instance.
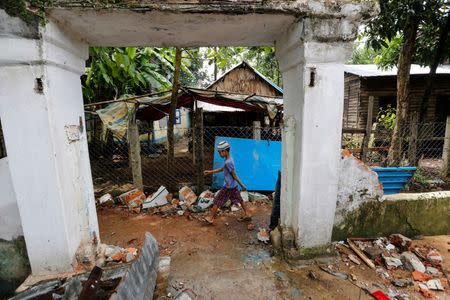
(257, 162)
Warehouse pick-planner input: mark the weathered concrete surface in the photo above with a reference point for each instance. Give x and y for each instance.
(14, 265)
(195, 23)
(10, 224)
(427, 215)
(40, 101)
(357, 184)
(363, 211)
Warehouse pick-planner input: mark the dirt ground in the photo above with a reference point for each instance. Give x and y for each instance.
(226, 261)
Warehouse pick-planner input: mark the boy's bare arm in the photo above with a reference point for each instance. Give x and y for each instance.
(208, 172)
(235, 177)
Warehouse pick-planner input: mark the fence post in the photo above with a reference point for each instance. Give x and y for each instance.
(414, 131)
(446, 149)
(256, 130)
(135, 153)
(199, 149)
(369, 125)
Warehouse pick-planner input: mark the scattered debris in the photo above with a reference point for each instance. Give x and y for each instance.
(380, 295)
(244, 195)
(435, 284)
(391, 262)
(434, 257)
(263, 235)
(354, 259)
(250, 227)
(159, 198)
(234, 208)
(402, 282)
(360, 254)
(400, 241)
(205, 200)
(411, 262)
(419, 276)
(425, 291)
(254, 197)
(330, 271)
(187, 196)
(390, 247)
(132, 199)
(106, 199)
(433, 271)
(313, 275)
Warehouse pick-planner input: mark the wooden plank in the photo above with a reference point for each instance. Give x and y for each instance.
(256, 130)
(360, 254)
(368, 133)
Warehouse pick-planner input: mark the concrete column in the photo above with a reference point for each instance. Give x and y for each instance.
(312, 54)
(41, 109)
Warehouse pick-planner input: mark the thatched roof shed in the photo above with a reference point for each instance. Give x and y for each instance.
(245, 79)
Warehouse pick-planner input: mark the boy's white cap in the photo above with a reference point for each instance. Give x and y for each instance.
(223, 145)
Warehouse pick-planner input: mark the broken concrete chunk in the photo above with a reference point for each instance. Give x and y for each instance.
(411, 262)
(263, 235)
(434, 257)
(253, 197)
(111, 250)
(435, 284)
(373, 252)
(234, 208)
(402, 282)
(187, 196)
(106, 199)
(400, 241)
(244, 195)
(159, 198)
(433, 271)
(392, 262)
(205, 200)
(390, 247)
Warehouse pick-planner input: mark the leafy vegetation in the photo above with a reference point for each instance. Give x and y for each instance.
(386, 117)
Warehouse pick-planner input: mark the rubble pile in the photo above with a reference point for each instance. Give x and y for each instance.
(111, 254)
(168, 204)
(403, 266)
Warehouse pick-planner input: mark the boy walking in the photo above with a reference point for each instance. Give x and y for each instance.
(229, 189)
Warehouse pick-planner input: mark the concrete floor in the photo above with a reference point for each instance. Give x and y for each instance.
(225, 261)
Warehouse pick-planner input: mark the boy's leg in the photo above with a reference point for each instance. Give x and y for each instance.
(236, 198)
(219, 201)
(211, 218)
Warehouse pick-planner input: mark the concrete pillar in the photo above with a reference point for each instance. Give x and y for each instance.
(41, 109)
(311, 55)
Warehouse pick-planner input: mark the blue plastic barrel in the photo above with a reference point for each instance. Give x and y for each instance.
(393, 179)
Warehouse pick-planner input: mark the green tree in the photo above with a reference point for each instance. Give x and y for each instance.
(407, 32)
(114, 72)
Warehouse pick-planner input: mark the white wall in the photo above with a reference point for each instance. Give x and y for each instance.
(50, 172)
(10, 223)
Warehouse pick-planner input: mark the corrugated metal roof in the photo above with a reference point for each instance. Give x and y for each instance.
(374, 71)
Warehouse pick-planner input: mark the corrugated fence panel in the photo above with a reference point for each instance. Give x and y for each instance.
(257, 162)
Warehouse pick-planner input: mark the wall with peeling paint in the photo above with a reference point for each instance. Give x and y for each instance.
(357, 184)
(363, 211)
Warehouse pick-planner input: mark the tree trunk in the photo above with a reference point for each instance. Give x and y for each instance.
(438, 52)
(173, 107)
(404, 68)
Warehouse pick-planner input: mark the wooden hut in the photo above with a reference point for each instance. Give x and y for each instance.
(363, 81)
(242, 79)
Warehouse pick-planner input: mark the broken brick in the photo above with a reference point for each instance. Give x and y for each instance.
(117, 256)
(419, 276)
(400, 241)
